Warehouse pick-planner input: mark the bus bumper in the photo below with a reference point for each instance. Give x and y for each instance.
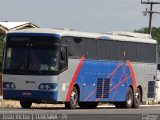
(31, 95)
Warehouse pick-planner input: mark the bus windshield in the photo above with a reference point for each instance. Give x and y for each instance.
(16, 58)
(43, 59)
(35, 58)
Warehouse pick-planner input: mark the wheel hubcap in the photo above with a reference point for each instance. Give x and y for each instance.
(129, 101)
(74, 98)
(137, 97)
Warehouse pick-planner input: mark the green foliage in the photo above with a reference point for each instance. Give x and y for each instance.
(142, 30)
(155, 35)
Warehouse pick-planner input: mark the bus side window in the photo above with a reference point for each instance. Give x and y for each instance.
(63, 59)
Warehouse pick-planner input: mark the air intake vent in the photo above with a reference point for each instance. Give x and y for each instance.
(102, 88)
(106, 88)
(151, 89)
(99, 88)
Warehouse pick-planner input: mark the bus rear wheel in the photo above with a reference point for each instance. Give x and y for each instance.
(25, 104)
(128, 102)
(129, 99)
(72, 104)
(89, 105)
(137, 98)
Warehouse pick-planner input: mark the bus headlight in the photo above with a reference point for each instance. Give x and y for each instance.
(12, 85)
(41, 86)
(47, 86)
(9, 85)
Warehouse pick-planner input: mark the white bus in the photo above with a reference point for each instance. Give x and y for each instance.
(79, 68)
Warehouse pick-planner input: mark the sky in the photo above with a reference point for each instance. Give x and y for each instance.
(81, 15)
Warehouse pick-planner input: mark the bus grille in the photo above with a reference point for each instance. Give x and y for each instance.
(102, 88)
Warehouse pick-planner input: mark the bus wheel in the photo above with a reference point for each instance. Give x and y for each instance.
(137, 99)
(73, 99)
(129, 98)
(91, 105)
(25, 104)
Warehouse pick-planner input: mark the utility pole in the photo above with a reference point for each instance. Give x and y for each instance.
(150, 12)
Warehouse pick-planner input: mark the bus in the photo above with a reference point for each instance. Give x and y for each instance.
(43, 65)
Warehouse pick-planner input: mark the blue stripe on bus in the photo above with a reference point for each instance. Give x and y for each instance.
(103, 38)
(35, 34)
(118, 73)
(29, 94)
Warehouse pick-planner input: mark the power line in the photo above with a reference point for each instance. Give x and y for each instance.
(150, 12)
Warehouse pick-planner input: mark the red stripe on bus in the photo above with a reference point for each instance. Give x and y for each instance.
(132, 75)
(74, 79)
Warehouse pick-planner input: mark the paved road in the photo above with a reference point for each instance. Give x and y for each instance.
(101, 113)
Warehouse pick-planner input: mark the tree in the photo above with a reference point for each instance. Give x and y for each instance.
(155, 35)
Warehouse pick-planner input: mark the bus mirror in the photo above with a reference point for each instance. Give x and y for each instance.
(63, 59)
(63, 56)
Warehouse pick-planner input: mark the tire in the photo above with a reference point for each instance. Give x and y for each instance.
(129, 99)
(137, 98)
(25, 104)
(89, 105)
(72, 104)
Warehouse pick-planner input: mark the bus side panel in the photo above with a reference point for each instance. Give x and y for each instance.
(120, 75)
(104, 81)
(144, 74)
(97, 80)
(65, 79)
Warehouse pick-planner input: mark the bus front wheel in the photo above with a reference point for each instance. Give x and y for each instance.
(73, 99)
(25, 104)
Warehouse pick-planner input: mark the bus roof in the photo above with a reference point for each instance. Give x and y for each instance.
(117, 36)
